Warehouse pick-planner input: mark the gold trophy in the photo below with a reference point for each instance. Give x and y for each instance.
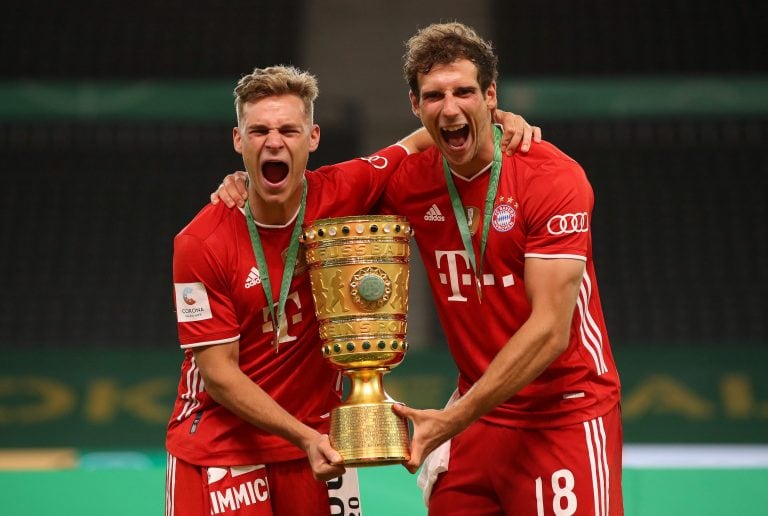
(359, 271)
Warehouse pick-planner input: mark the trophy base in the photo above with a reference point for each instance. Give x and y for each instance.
(369, 434)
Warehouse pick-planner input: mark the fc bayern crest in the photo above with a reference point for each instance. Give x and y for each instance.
(503, 218)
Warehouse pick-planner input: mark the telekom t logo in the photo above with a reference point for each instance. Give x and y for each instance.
(453, 260)
(267, 327)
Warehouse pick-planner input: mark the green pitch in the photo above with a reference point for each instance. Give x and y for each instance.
(133, 484)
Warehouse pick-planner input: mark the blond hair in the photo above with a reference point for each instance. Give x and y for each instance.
(276, 80)
(444, 43)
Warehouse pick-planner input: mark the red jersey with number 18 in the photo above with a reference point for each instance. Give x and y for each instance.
(542, 209)
(220, 299)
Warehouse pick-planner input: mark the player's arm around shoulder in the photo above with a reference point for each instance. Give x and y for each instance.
(518, 134)
(232, 191)
(418, 141)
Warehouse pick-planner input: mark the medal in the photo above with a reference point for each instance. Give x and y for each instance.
(461, 218)
(290, 263)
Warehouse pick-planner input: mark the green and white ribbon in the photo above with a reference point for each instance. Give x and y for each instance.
(461, 217)
(290, 263)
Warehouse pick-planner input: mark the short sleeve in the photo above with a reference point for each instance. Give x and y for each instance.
(204, 310)
(558, 208)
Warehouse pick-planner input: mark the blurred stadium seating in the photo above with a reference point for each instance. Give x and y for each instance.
(92, 204)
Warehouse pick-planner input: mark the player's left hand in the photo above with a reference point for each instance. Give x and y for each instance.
(518, 134)
(430, 429)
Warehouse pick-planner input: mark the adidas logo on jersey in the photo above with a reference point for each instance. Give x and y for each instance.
(433, 214)
(254, 278)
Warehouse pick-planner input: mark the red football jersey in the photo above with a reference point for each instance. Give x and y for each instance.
(542, 209)
(219, 298)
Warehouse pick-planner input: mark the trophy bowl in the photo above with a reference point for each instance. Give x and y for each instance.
(358, 267)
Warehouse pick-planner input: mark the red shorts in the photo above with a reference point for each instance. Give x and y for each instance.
(271, 490)
(496, 470)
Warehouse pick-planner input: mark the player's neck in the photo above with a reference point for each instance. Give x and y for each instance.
(477, 165)
(473, 172)
(274, 213)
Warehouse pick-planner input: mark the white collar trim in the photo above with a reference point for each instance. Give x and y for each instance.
(273, 226)
(468, 179)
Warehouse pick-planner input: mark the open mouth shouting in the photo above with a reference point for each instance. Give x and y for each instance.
(455, 135)
(274, 172)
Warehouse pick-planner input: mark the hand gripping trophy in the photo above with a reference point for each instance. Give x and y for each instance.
(359, 271)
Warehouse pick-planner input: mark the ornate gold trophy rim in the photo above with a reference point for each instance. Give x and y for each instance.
(359, 271)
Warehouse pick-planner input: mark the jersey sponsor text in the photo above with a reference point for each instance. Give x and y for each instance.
(568, 223)
(232, 498)
(454, 279)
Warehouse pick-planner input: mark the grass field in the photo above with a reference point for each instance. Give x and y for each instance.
(658, 481)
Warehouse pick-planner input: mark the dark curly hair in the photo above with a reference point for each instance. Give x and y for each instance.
(443, 43)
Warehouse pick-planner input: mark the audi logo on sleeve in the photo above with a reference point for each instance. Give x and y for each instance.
(568, 223)
(376, 161)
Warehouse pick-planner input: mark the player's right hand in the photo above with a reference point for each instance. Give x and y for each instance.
(325, 461)
(232, 190)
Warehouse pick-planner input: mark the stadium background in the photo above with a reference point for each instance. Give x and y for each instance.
(115, 124)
